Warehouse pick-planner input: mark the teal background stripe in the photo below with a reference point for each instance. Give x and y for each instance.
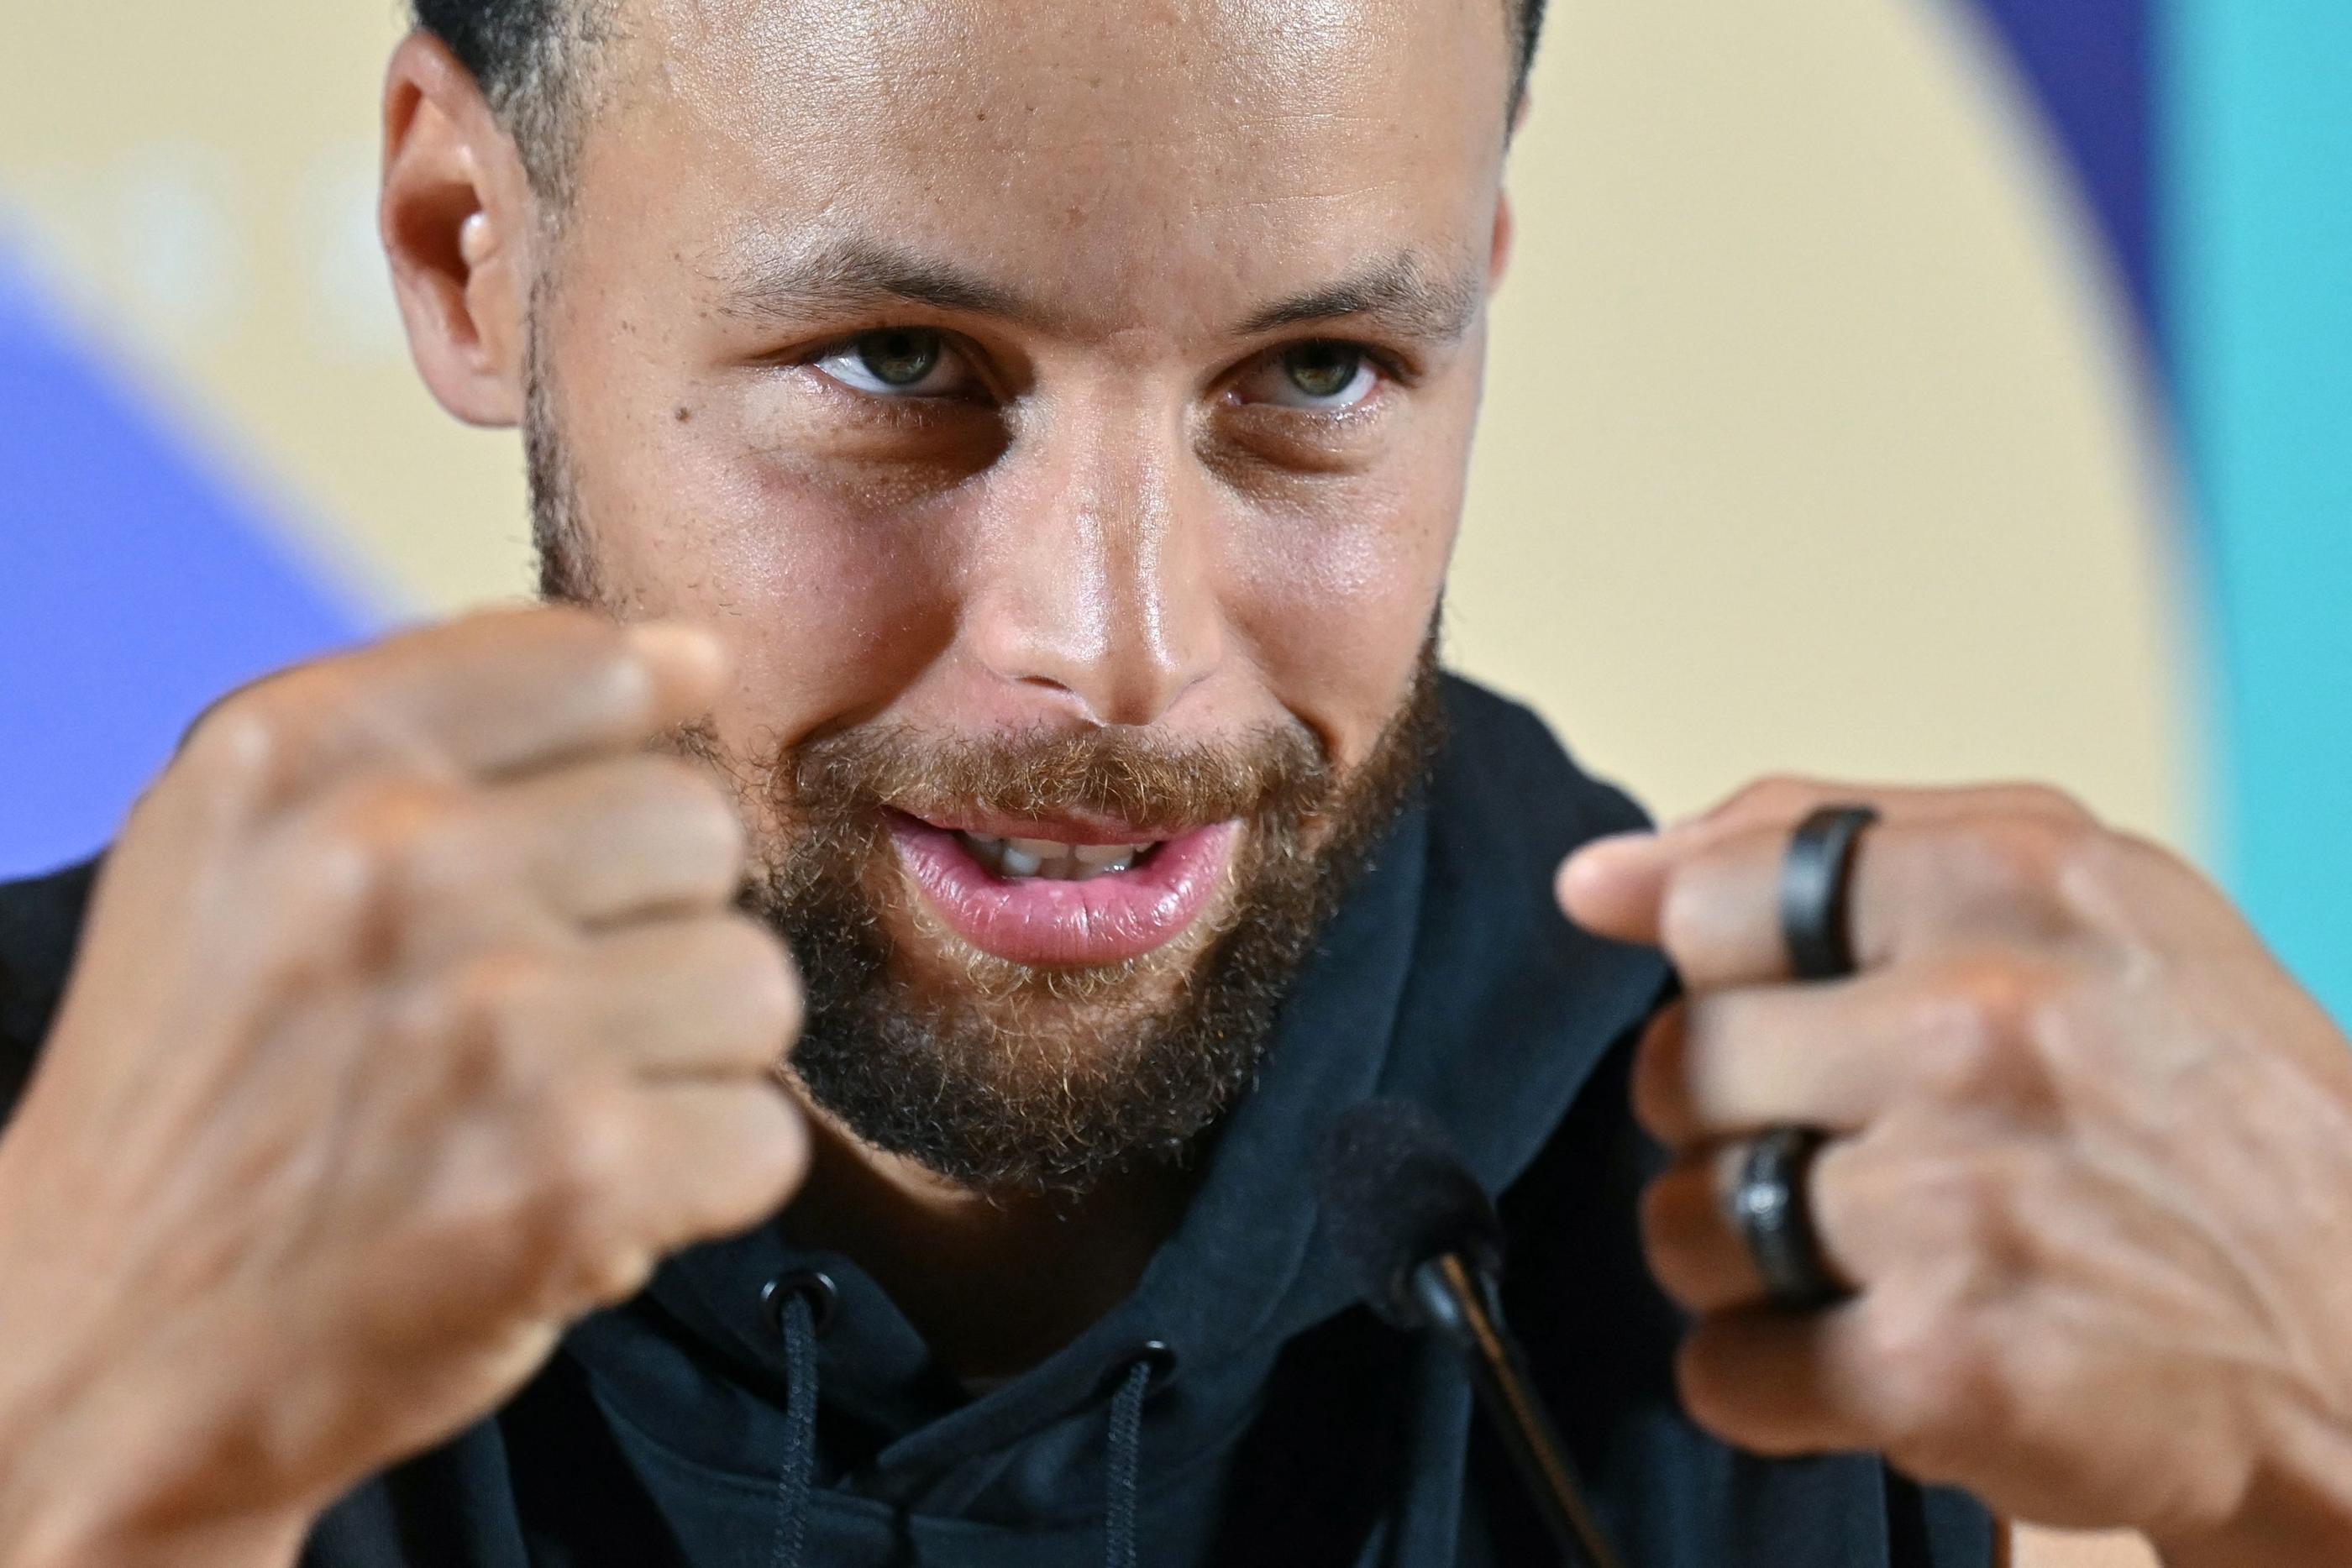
(2257, 126)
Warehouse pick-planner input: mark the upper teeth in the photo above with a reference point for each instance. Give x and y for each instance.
(1050, 858)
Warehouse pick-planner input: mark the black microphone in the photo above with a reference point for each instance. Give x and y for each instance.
(1412, 1225)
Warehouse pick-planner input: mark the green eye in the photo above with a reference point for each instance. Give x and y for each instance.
(900, 357)
(1323, 369)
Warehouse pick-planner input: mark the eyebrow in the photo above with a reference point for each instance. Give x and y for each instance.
(778, 284)
(1399, 292)
(851, 273)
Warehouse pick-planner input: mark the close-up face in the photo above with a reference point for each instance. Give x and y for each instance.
(1061, 410)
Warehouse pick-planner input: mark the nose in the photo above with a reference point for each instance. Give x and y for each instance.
(1095, 582)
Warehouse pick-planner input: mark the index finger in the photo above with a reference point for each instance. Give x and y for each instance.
(1616, 886)
(1706, 889)
(1918, 885)
(494, 693)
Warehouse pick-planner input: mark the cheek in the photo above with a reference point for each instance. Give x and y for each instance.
(1335, 599)
(830, 601)
(1343, 578)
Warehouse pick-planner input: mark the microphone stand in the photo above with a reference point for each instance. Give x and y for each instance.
(1460, 1302)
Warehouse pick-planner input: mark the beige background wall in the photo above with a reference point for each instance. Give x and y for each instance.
(1812, 437)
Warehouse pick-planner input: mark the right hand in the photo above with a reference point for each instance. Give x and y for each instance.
(411, 1022)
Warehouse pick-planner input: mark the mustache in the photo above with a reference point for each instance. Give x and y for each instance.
(1156, 785)
(1152, 784)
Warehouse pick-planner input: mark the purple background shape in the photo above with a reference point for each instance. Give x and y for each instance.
(137, 583)
(2091, 65)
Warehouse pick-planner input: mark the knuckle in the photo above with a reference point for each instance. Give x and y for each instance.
(2016, 865)
(586, 1147)
(1933, 1380)
(2091, 854)
(350, 862)
(496, 993)
(260, 733)
(2139, 854)
(1974, 1034)
(1962, 1043)
(2108, 875)
(1774, 797)
(2023, 853)
(474, 1021)
(2049, 801)
(375, 827)
(1969, 1204)
(237, 745)
(2046, 1008)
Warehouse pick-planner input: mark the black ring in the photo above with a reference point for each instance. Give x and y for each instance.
(1770, 1210)
(1814, 877)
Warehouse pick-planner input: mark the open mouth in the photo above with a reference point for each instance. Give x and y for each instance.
(1063, 895)
(1013, 859)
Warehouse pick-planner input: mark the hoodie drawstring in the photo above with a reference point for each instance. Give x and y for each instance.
(1124, 1458)
(1123, 1449)
(800, 1305)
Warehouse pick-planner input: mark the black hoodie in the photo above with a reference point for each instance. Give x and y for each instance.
(1240, 1407)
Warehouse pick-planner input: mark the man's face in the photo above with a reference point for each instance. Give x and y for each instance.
(1061, 408)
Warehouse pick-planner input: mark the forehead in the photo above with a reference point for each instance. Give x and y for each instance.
(1116, 144)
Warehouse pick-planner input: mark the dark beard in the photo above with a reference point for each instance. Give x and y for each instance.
(1023, 1079)
(1033, 1079)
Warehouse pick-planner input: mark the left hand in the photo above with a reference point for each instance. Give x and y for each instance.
(2090, 1168)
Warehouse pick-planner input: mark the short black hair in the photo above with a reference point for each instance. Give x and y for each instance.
(529, 54)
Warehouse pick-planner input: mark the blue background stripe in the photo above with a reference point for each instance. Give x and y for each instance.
(2258, 224)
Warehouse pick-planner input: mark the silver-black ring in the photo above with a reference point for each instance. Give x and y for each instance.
(1815, 873)
(1771, 1211)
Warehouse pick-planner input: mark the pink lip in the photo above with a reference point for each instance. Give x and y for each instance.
(1067, 924)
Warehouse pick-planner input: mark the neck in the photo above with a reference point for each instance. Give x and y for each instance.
(995, 1282)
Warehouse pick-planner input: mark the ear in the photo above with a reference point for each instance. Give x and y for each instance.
(455, 214)
(1499, 255)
